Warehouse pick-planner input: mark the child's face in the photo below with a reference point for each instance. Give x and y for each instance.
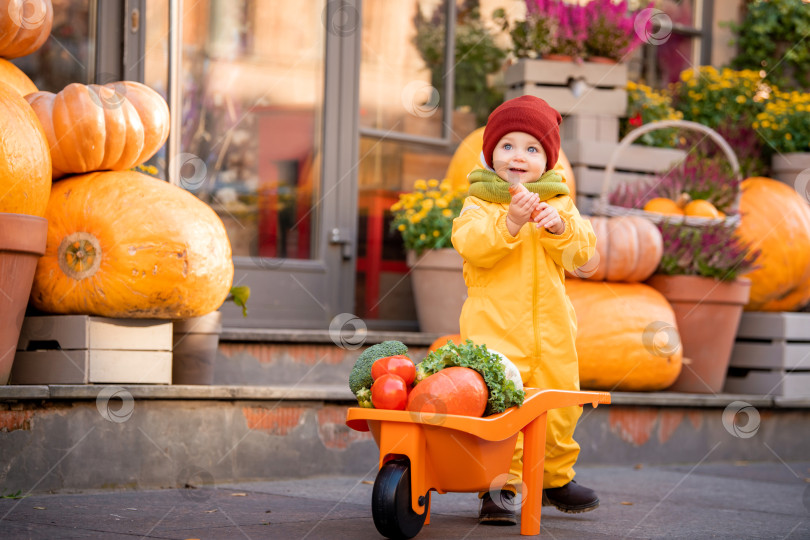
(519, 158)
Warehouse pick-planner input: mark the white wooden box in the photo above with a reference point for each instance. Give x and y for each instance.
(771, 355)
(550, 80)
(79, 349)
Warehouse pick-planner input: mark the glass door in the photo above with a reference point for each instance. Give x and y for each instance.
(265, 119)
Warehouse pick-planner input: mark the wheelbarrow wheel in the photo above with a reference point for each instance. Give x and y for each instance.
(391, 502)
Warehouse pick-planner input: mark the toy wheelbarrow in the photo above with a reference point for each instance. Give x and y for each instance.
(443, 453)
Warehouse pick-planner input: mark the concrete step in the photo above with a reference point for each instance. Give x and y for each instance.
(278, 409)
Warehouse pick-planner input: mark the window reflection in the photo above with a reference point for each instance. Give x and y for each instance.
(68, 55)
(252, 102)
(402, 76)
(156, 64)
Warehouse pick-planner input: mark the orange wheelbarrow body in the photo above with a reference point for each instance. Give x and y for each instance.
(453, 453)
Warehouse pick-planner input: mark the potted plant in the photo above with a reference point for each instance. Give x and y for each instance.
(424, 218)
(701, 264)
(700, 276)
(784, 125)
(611, 35)
(552, 29)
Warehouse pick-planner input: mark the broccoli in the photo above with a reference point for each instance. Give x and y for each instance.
(361, 372)
(364, 398)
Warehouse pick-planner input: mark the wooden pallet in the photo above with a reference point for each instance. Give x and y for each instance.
(79, 349)
(771, 355)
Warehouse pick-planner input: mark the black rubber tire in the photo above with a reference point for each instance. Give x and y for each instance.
(391, 502)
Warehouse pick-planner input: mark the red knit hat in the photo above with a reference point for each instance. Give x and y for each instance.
(530, 115)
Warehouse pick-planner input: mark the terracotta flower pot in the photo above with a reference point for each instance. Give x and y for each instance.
(438, 288)
(194, 349)
(22, 242)
(708, 312)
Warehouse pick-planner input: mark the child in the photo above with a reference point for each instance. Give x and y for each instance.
(513, 268)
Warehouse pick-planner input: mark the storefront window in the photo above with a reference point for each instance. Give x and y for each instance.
(677, 45)
(68, 55)
(156, 64)
(406, 133)
(251, 120)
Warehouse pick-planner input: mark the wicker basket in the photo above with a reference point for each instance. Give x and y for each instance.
(604, 208)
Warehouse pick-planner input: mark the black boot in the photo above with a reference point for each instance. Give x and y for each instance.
(498, 512)
(571, 498)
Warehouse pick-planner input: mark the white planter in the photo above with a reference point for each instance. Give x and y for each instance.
(792, 169)
(438, 288)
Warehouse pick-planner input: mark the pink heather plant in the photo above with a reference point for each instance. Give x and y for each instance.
(610, 29)
(713, 251)
(567, 24)
(600, 28)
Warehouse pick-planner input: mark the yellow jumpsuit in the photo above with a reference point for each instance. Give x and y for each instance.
(517, 306)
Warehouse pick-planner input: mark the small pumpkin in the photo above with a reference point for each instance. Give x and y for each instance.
(16, 78)
(25, 163)
(453, 390)
(775, 219)
(94, 128)
(701, 208)
(628, 248)
(443, 340)
(662, 205)
(125, 244)
(24, 26)
(627, 337)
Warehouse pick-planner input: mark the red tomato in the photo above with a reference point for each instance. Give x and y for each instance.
(395, 365)
(389, 392)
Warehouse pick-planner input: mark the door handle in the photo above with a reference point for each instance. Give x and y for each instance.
(339, 237)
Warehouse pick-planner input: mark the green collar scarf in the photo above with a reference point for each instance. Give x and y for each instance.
(489, 186)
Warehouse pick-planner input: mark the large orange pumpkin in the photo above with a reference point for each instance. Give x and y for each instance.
(94, 128)
(627, 337)
(24, 26)
(25, 163)
(776, 220)
(628, 248)
(467, 158)
(16, 78)
(124, 244)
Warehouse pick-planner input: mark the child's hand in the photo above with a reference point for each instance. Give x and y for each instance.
(550, 219)
(523, 204)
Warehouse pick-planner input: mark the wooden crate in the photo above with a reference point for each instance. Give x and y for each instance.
(590, 127)
(550, 80)
(771, 355)
(79, 349)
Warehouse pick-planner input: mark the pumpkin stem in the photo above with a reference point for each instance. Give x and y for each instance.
(79, 255)
(683, 200)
